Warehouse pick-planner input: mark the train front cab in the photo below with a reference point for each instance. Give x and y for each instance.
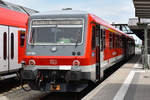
(55, 62)
(62, 63)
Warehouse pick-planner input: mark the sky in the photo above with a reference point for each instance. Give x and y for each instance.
(118, 11)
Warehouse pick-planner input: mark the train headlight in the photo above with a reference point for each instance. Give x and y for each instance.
(23, 62)
(31, 62)
(76, 65)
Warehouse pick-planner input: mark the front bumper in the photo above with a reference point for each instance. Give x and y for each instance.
(71, 73)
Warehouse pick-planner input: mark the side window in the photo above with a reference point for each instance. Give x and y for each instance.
(102, 44)
(120, 41)
(97, 36)
(110, 40)
(116, 40)
(4, 45)
(12, 45)
(93, 37)
(22, 38)
(113, 40)
(104, 37)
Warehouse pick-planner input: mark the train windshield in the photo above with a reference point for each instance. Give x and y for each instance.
(56, 32)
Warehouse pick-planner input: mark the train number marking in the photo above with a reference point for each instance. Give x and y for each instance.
(53, 62)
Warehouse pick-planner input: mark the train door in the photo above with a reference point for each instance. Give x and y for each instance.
(99, 52)
(4, 48)
(13, 49)
(102, 47)
(98, 63)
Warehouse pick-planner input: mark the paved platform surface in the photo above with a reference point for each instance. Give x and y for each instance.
(130, 82)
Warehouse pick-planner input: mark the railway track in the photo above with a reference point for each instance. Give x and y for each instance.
(11, 89)
(15, 92)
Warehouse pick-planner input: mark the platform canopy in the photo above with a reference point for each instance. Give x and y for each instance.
(142, 12)
(142, 8)
(15, 7)
(136, 29)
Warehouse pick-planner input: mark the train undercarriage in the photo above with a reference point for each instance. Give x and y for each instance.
(56, 81)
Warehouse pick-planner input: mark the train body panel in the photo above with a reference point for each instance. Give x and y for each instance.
(11, 24)
(72, 46)
(13, 18)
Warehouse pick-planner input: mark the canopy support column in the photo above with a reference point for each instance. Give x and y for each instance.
(145, 50)
(146, 46)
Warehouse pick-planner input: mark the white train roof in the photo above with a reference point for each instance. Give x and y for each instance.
(61, 12)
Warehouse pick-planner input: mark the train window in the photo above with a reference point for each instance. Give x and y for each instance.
(97, 36)
(113, 40)
(104, 38)
(12, 45)
(5, 45)
(93, 37)
(22, 38)
(57, 32)
(102, 45)
(119, 43)
(110, 40)
(116, 40)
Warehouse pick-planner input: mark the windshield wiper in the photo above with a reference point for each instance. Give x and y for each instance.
(76, 43)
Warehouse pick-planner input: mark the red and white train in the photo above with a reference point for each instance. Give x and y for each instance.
(67, 49)
(13, 22)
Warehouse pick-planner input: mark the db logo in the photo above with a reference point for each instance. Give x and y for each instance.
(53, 62)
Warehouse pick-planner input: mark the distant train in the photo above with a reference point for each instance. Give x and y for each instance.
(67, 49)
(13, 22)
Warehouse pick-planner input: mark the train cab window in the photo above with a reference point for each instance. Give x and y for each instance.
(110, 40)
(12, 45)
(65, 32)
(4, 45)
(93, 37)
(22, 38)
(113, 40)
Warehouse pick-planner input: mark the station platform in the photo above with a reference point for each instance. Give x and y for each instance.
(130, 82)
